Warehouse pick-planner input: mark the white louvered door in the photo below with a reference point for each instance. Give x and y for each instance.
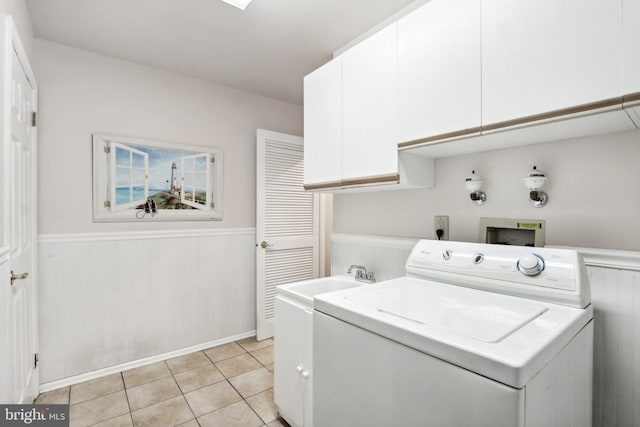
(287, 226)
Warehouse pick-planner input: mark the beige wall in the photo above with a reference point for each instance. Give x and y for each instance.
(82, 93)
(593, 187)
(18, 10)
(150, 292)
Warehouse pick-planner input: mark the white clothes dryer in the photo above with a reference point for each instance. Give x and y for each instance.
(474, 335)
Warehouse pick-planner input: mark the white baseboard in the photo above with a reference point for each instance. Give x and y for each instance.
(76, 379)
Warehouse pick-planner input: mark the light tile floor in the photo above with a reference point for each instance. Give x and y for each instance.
(226, 386)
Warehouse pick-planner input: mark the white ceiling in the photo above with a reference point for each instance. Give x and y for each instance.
(266, 49)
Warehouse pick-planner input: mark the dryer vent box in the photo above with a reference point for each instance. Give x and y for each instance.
(517, 232)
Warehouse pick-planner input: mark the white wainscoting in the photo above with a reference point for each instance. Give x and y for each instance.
(615, 294)
(120, 299)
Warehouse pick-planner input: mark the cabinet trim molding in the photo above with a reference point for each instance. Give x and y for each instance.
(355, 182)
(602, 106)
(372, 180)
(443, 137)
(631, 99)
(591, 107)
(323, 185)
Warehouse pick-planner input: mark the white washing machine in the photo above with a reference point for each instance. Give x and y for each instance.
(474, 335)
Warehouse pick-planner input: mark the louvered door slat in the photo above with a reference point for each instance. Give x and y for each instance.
(284, 173)
(286, 220)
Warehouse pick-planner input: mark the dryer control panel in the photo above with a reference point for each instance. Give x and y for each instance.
(546, 274)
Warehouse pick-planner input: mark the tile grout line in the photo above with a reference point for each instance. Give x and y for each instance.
(226, 358)
(245, 398)
(241, 397)
(126, 394)
(182, 393)
(164, 400)
(95, 398)
(227, 379)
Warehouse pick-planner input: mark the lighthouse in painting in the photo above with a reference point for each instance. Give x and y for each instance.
(174, 179)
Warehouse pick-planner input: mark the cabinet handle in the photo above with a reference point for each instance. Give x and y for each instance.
(299, 369)
(305, 374)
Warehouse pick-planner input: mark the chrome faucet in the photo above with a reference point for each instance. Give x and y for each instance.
(361, 274)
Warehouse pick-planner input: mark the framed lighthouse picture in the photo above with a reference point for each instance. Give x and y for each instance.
(141, 180)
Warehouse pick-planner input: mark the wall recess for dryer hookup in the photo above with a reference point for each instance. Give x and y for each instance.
(441, 222)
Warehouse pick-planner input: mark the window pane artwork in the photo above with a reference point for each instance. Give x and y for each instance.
(136, 179)
(195, 189)
(131, 185)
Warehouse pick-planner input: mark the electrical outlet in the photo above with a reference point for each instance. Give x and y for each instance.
(441, 222)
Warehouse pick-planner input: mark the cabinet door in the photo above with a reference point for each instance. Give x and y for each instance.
(323, 124)
(631, 52)
(544, 55)
(288, 356)
(369, 146)
(439, 69)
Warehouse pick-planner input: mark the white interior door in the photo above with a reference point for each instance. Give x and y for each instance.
(287, 225)
(20, 293)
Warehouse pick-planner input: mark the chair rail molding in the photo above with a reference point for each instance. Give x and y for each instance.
(142, 235)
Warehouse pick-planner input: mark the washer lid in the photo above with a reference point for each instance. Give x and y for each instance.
(502, 337)
(483, 316)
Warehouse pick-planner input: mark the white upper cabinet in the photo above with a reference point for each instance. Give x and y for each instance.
(545, 55)
(369, 144)
(439, 70)
(323, 124)
(631, 52)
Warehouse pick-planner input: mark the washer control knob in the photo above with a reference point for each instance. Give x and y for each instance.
(530, 265)
(478, 258)
(446, 255)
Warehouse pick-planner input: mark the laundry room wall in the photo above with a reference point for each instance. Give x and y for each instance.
(592, 187)
(593, 203)
(115, 294)
(17, 9)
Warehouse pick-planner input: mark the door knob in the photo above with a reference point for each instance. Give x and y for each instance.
(15, 277)
(264, 245)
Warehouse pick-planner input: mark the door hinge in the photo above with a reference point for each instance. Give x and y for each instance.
(212, 205)
(213, 160)
(107, 204)
(107, 149)
(35, 360)
(34, 118)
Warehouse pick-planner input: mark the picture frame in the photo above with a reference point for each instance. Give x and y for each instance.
(138, 179)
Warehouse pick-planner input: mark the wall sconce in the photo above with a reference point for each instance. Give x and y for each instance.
(474, 184)
(534, 181)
